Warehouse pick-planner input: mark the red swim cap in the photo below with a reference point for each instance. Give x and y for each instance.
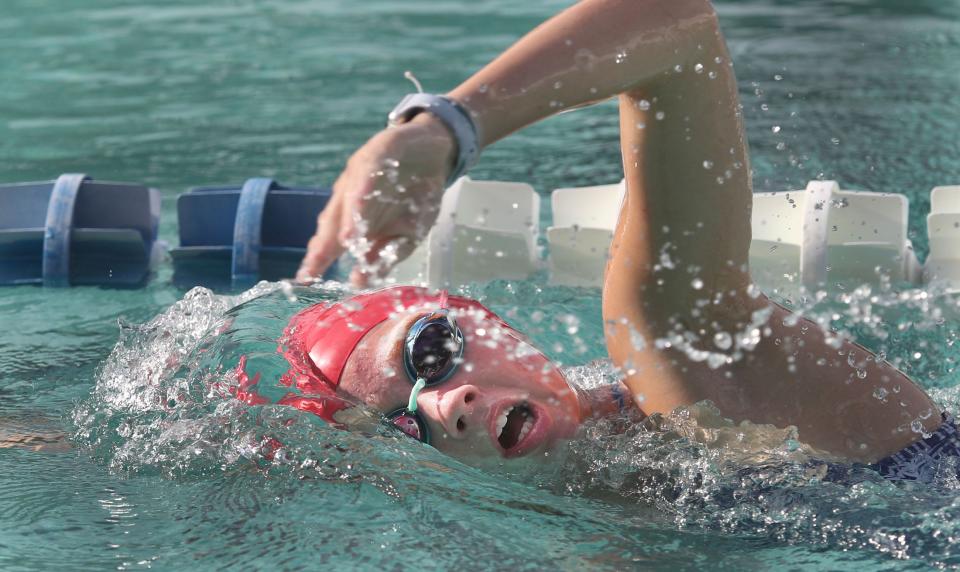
(319, 340)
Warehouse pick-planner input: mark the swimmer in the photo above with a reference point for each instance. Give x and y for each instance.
(677, 286)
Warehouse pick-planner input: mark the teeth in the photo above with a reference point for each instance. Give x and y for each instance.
(525, 429)
(502, 421)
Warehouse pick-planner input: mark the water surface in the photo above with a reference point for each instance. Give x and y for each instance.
(176, 94)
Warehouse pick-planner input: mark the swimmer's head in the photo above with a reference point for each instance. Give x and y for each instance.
(500, 397)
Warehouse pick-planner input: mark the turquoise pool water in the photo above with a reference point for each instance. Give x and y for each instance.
(163, 474)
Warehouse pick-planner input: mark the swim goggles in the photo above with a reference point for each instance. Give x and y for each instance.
(432, 351)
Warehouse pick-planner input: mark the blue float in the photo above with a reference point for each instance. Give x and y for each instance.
(76, 231)
(232, 236)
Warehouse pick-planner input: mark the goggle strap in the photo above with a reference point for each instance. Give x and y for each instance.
(414, 393)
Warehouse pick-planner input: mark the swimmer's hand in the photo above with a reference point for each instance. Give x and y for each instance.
(385, 201)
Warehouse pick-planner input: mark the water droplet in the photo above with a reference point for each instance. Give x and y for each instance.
(621, 57)
(572, 322)
(723, 340)
(557, 84)
(642, 125)
(764, 107)
(643, 105)
(678, 68)
(708, 164)
(698, 68)
(483, 88)
(775, 129)
(660, 115)
(696, 284)
(712, 75)
(777, 77)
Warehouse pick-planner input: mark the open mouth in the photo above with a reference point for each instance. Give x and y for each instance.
(514, 424)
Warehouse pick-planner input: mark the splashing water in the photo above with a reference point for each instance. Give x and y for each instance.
(162, 405)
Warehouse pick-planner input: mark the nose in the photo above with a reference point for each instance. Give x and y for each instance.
(454, 410)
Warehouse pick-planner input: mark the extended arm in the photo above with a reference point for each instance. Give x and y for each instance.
(590, 52)
(593, 51)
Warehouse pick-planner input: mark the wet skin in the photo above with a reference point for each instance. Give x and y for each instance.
(499, 372)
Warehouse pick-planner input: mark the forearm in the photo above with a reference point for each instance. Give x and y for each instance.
(842, 398)
(590, 52)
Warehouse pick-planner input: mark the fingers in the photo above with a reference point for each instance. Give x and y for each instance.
(384, 254)
(358, 198)
(387, 191)
(325, 246)
(336, 225)
(350, 217)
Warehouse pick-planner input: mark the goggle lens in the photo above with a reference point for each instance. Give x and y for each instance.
(411, 424)
(433, 348)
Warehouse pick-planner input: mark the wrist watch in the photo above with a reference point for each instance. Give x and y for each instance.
(454, 116)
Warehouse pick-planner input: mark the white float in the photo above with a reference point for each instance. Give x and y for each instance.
(824, 237)
(485, 230)
(583, 222)
(819, 237)
(943, 228)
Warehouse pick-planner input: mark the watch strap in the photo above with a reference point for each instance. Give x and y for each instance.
(456, 118)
